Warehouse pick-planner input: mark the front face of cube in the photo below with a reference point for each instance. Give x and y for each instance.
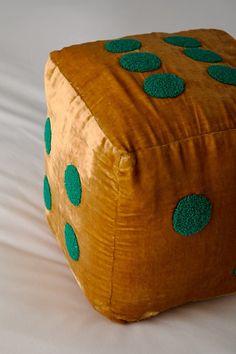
(176, 226)
(140, 174)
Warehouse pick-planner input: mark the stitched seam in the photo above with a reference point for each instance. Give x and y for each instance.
(115, 234)
(181, 140)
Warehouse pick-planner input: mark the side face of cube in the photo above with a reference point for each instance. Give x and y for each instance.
(80, 188)
(176, 226)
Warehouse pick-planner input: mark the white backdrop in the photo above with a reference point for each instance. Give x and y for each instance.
(42, 310)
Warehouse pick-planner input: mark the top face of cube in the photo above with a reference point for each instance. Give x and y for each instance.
(156, 88)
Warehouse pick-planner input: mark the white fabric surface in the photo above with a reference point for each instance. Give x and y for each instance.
(42, 309)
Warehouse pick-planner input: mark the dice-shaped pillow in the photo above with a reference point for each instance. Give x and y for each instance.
(140, 181)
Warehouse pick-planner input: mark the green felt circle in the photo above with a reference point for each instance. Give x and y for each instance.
(47, 194)
(192, 214)
(234, 272)
(71, 242)
(122, 45)
(73, 184)
(223, 73)
(202, 55)
(47, 135)
(140, 62)
(182, 41)
(163, 85)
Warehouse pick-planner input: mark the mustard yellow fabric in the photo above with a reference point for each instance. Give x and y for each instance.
(137, 156)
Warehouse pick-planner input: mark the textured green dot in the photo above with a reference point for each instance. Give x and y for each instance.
(163, 85)
(182, 41)
(47, 135)
(47, 194)
(140, 62)
(202, 55)
(234, 272)
(122, 45)
(73, 184)
(71, 242)
(223, 73)
(192, 214)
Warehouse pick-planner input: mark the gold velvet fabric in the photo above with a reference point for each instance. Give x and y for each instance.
(137, 156)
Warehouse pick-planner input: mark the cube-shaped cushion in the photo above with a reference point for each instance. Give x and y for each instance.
(140, 181)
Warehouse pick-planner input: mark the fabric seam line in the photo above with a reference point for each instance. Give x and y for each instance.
(115, 233)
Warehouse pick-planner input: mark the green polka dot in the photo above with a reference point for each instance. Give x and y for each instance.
(192, 214)
(164, 85)
(223, 73)
(202, 55)
(47, 135)
(122, 45)
(73, 184)
(140, 62)
(234, 272)
(47, 194)
(71, 242)
(182, 41)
